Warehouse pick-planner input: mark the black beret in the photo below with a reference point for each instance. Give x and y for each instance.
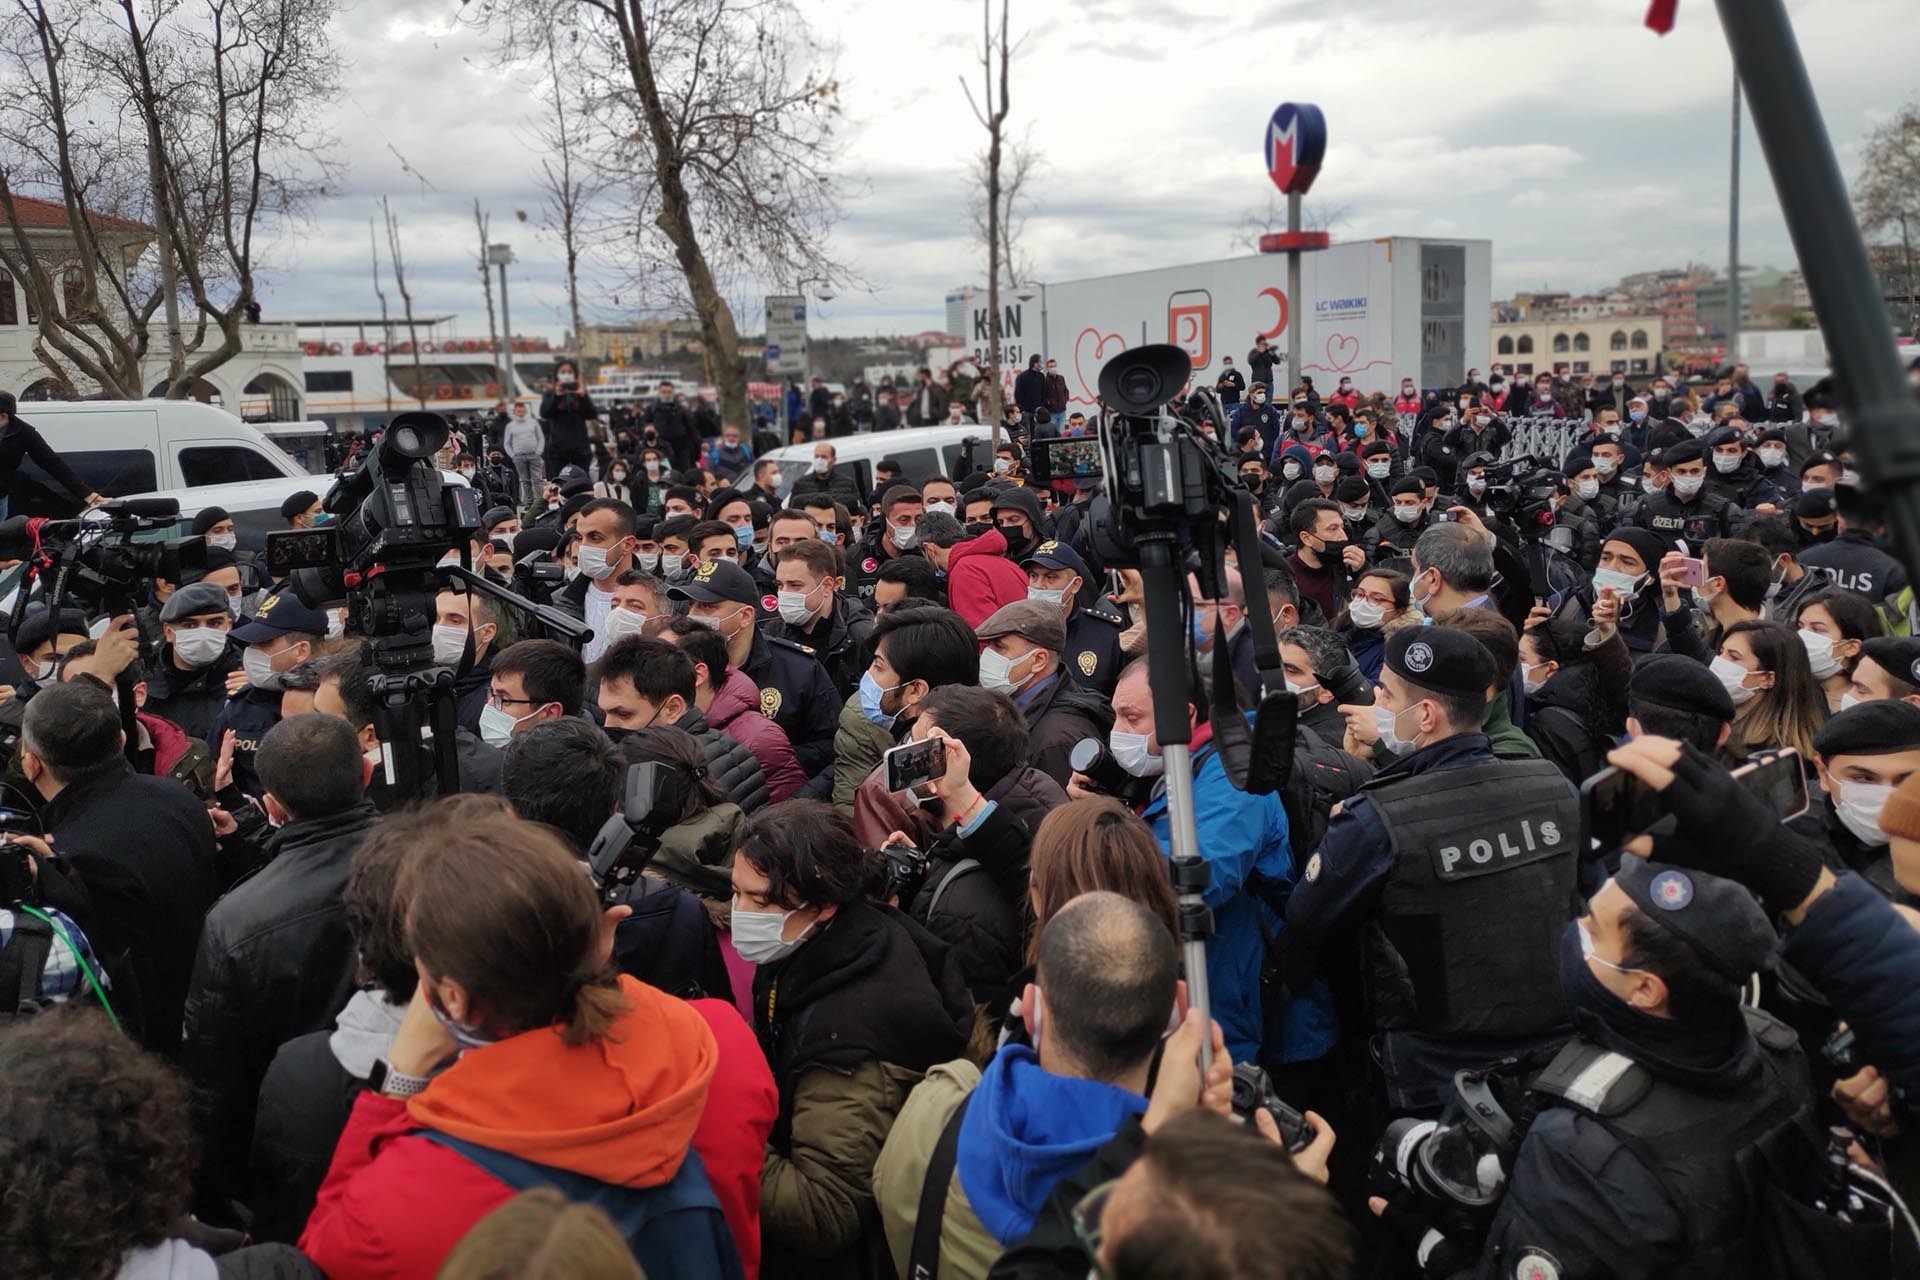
(38, 627)
(1771, 435)
(1427, 475)
(1409, 484)
(1441, 660)
(1375, 446)
(1481, 459)
(1718, 920)
(1870, 729)
(297, 502)
(1822, 459)
(1726, 433)
(1814, 504)
(209, 517)
(1685, 451)
(496, 515)
(1646, 544)
(1680, 684)
(1576, 462)
(543, 538)
(1898, 656)
(1352, 489)
(1348, 463)
(1667, 434)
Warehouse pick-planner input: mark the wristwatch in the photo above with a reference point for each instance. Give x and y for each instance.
(394, 1084)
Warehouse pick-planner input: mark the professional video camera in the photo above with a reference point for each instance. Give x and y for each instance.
(395, 518)
(94, 559)
(1521, 492)
(653, 802)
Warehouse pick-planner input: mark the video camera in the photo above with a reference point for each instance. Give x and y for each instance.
(654, 800)
(1521, 490)
(94, 559)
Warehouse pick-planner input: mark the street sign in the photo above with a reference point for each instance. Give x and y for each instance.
(787, 334)
(1296, 142)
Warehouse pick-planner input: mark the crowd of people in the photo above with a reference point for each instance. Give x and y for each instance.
(277, 1016)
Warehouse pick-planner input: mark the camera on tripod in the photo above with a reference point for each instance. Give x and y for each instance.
(95, 561)
(1521, 491)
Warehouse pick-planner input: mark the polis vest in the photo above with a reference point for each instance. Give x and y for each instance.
(1709, 1148)
(1483, 883)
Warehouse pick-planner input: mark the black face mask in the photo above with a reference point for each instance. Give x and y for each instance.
(1017, 538)
(1810, 536)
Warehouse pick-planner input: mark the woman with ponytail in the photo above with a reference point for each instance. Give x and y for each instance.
(523, 1060)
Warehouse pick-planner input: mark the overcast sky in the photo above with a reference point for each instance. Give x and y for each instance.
(1576, 140)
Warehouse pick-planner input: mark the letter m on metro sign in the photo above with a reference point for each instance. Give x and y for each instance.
(1296, 143)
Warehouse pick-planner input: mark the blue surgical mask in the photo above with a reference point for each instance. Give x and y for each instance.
(829, 537)
(744, 535)
(463, 1036)
(870, 695)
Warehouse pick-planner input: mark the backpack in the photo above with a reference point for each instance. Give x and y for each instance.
(1321, 777)
(676, 1231)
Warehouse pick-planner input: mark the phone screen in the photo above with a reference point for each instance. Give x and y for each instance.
(913, 763)
(1618, 806)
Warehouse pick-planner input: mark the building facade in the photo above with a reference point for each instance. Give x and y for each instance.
(1628, 344)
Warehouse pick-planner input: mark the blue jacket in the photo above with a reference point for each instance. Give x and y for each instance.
(1240, 835)
(249, 713)
(1024, 1130)
(1862, 956)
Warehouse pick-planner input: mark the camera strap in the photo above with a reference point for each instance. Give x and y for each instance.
(1257, 760)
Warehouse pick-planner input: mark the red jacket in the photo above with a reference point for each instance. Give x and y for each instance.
(735, 711)
(980, 578)
(624, 1110)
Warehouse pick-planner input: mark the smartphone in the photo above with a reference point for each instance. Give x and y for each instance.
(913, 763)
(1692, 572)
(1615, 806)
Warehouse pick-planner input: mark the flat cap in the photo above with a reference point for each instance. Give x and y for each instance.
(1036, 621)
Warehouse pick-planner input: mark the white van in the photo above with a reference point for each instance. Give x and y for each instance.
(921, 452)
(123, 447)
(253, 504)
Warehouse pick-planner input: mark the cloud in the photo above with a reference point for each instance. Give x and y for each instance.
(1582, 146)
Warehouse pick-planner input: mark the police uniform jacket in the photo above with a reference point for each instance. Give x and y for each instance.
(1388, 539)
(1630, 1170)
(796, 694)
(249, 713)
(1093, 656)
(864, 559)
(1424, 860)
(191, 699)
(1853, 560)
(1747, 486)
(1709, 515)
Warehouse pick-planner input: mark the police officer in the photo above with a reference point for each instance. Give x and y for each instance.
(1737, 475)
(1638, 1163)
(1092, 657)
(1685, 510)
(187, 679)
(795, 691)
(279, 638)
(1394, 533)
(1460, 865)
(895, 534)
(1863, 753)
(1854, 559)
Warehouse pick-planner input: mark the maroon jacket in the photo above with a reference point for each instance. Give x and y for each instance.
(736, 712)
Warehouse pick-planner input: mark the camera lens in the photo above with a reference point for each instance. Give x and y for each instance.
(406, 440)
(1140, 385)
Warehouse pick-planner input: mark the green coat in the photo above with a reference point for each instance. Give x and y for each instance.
(858, 745)
(1509, 743)
(967, 1249)
(698, 855)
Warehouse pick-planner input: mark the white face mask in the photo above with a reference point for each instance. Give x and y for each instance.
(905, 537)
(225, 541)
(1687, 486)
(449, 644)
(1481, 419)
(1379, 470)
(671, 562)
(594, 562)
(1353, 515)
(795, 607)
(1820, 654)
(1586, 490)
(756, 935)
(1406, 515)
(622, 623)
(1476, 485)
(1325, 475)
(1130, 752)
(1046, 596)
(496, 726)
(1605, 467)
(1733, 677)
(996, 671)
(199, 646)
(1386, 722)
(1725, 464)
(1526, 677)
(821, 466)
(258, 665)
(1365, 613)
(1858, 807)
(945, 507)
(1623, 583)
(1772, 457)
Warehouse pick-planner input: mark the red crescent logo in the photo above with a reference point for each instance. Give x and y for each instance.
(1280, 308)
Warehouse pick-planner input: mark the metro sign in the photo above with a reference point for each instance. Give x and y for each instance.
(1296, 143)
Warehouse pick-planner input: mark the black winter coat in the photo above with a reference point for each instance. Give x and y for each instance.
(980, 911)
(1059, 719)
(191, 699)
(669, 942)
(839, 640)
(143, 848)
(565, 415)
(276, 961)
(729, 763)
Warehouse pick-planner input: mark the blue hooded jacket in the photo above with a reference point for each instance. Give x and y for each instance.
(1024, 1130)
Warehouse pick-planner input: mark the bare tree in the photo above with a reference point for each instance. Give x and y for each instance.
(1886, 197)
(568, 184)
(1315, 215)
(990, 109)
(717, 118)
(183, 131)
(482, 223)
(399, 261)
(386, 329)
(1019, 170)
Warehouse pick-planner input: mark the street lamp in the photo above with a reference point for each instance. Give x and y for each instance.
(500, 255)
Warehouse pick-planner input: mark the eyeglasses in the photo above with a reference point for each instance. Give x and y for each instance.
(495, 699)
(1086, 1223)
